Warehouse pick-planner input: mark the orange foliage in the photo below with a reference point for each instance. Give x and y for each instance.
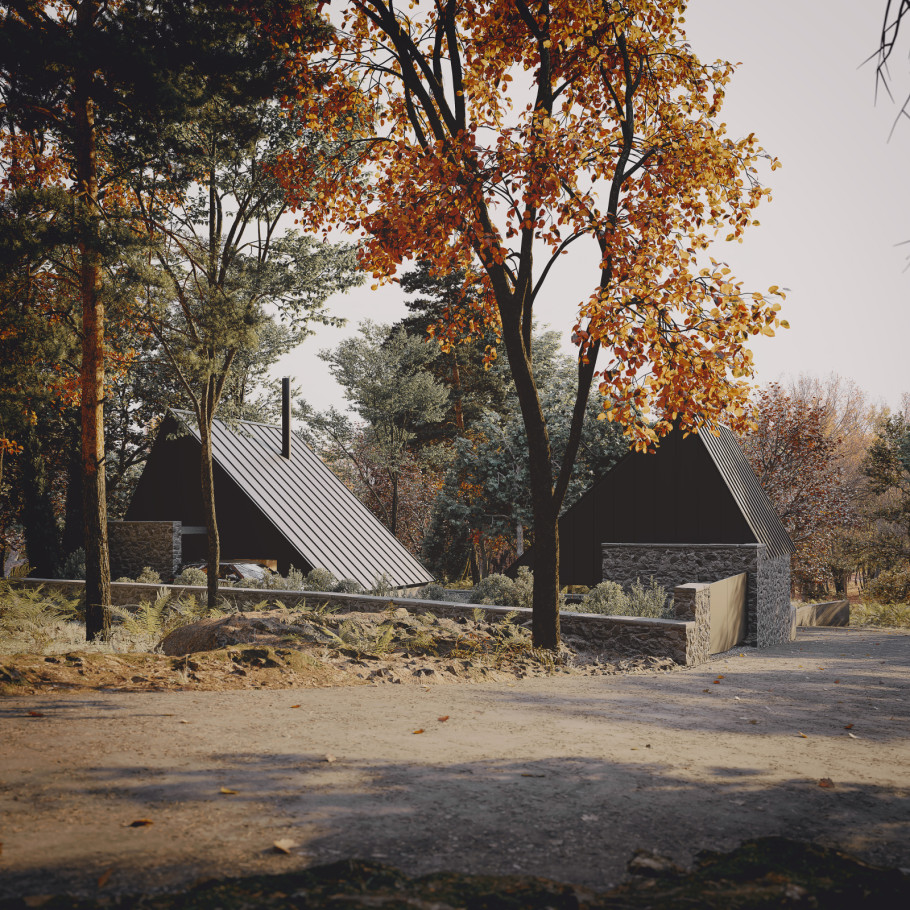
(440, 158)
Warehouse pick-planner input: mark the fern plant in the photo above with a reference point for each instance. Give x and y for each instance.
(35, 614)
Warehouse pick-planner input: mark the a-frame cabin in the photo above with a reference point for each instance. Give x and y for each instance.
(275, 501)
(691, 511)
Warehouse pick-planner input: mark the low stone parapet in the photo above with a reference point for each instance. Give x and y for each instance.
(829, 613)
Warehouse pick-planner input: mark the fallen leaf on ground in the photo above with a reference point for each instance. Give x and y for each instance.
(848, 726)
(35, 714)
(716, 682)
(418, 731)
(706, 690)
(105, 877)
(528, 774)
(295, 706)
(329, 758)
(285, 845)
(803, 735)
(228, 791)
(826, 783)
(139, 823)
(852, 736)
(443, 719)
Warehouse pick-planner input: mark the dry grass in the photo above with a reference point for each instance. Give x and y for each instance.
(895, 616)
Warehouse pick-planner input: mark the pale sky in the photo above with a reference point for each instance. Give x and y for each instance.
(838, 212)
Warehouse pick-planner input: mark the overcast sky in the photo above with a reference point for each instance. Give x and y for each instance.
(839, 211)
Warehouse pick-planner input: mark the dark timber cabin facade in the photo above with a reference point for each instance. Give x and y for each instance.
(692, 511)
(275, 502)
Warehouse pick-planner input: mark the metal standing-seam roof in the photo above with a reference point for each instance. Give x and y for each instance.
(308, 505)
(753, 502)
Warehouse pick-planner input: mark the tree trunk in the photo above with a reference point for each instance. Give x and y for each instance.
(840, 577)
(97, 563)
(74, 514)
(545, 603)
(519, 539)
(394, 522)
(458, 394)
(473, 566)
(480, 554)
(208, 506)
(545, 620)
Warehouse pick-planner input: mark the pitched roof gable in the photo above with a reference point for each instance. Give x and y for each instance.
(301, 497)
(741, 481)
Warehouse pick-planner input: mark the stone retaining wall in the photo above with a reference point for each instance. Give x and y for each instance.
(137, 544)
(684, 640)
(671, 564)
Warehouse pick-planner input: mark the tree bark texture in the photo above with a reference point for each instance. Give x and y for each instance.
(97, 562)
(208, 505)
(74, 514)
(394, 528)
(516, 337)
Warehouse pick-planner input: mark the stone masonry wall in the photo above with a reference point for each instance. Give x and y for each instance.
(673, 564)
(692, 603)
(775, 615)
(137, 544)
(683, 640)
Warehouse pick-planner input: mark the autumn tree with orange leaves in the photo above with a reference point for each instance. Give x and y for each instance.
(496, 134)
(801, 461)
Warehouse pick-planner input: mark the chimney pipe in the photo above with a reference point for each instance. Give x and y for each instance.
(286, 417)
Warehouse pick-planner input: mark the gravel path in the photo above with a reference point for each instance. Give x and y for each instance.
(561, 777)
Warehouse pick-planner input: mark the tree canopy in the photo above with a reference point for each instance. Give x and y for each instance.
(619, 143)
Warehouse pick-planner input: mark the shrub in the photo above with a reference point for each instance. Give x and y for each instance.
(348, 586)
(148, 576)
(523, 589)
(607, 598)
(73, 566)
(648, 601)
(192, 575)
(890, 587)
(318, 580)
(382, 586)
(434, 592)
(272, 581)
(498, 590)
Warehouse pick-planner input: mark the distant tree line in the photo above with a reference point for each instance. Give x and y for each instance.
(837, 469)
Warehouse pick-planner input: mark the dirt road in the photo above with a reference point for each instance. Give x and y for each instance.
(560, 777)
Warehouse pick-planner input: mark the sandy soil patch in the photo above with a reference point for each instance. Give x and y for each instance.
(561, 776)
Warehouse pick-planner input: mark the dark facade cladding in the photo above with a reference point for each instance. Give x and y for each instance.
(695, 489)
(269, 505)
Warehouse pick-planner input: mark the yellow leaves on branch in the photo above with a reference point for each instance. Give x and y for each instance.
(619, 141)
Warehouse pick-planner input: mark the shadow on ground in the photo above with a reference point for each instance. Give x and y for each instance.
(770, 872)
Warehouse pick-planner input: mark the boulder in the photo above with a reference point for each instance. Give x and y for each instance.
(212, 634)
